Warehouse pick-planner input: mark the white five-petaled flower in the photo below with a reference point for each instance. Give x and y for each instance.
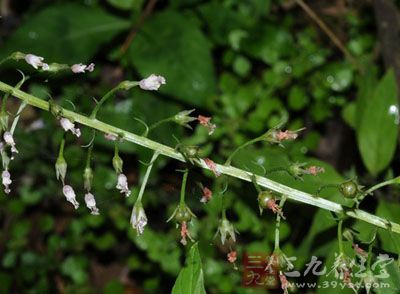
(122, 185)
(138, 218)
(8, 138)
(69, 193)
(6, 178)
(68, 125)
(152, 83)
(81, 68)
(91, 203)
(35, 61)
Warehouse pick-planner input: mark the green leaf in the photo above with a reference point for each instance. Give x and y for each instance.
(190, 279)
(390, 211)
(173, 46)
(65, 33)
(377, 132)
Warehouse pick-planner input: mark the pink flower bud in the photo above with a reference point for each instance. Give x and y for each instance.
(152, 83)
(207, 195)
(212, 166)
(232, 256)
(78, 68)
(205, 121)
(110, 137)
(69, 193)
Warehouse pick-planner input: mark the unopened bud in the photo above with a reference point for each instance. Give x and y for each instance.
(88, 178)
(183, 118)
(117, 163)
(61, 168)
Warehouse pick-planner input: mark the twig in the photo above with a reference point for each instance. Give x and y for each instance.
(147, 11)
(289, 193)
(329, 33)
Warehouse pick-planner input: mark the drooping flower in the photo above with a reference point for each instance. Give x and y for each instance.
(207, 195)
(212, 166)
(69, 193)
(266, 200)
(359, 251)
(81, 68)
(226, 229)
(185, 233)
(205, 121)
(91, 203)
(152, 83)
(232, 256)
(68, 125)
(34, 60)
(138, 218)
(8, 138)
(314, 170)
(78, 68)
(285, 285)
(122, 185)
(6, 178)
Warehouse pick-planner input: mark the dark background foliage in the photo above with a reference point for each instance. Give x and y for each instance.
(245, 63)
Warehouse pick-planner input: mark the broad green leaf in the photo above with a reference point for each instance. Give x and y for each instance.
(65, 33)
(173, 46)
(377, 132)
(190, 279)
(391, 284)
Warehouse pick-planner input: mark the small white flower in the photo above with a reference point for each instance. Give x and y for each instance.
(78, 68)
(34, 60)
(68, 125)
(45, 66)
(6, 177)
(138, 218)
(8, 138)
(122, 185)
(91, 203)
(152, 82)
(90, 67)
(70, 195)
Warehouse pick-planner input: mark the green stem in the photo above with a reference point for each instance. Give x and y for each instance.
(380, 185)
(290, 193)
(278, 224)
(340, 236)
(16, 119)
(183, 187)
(62, 144)
(229, 160)
(369, 255)
(125, 85)
(146, 176)
(256, 186)
(155, 125)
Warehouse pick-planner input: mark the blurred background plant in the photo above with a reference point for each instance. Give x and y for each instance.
(245, 63)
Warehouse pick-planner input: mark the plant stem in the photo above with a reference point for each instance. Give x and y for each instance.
(183, 187)
(155, 125)
(380, 185)
(340, 236)
(146, 176)
(229, 160)
(289, 192)
(62, 144)
(16, 119)
(278, 224)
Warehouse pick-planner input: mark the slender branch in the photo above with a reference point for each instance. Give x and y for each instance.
(290, 193)
(329, 33)
(183, 187)
(146, 176)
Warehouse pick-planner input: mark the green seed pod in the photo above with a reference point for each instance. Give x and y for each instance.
(183, 214)
(263, 198)
(349, 189)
